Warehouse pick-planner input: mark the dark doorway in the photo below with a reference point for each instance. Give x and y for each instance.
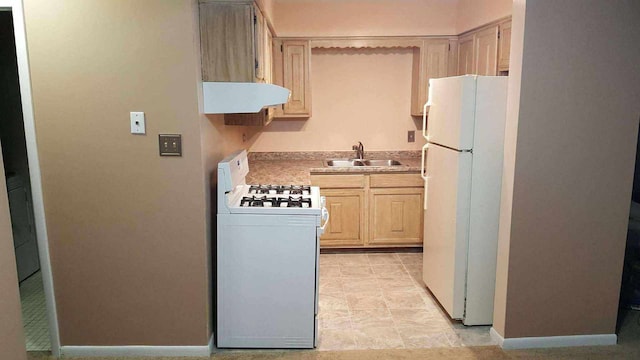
(16, 168)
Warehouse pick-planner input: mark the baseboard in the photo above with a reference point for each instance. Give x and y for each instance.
(212, 346)
(553, 341)
(137, 350)
(496, 337)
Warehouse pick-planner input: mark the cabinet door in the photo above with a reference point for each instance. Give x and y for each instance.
(504, 46)
(465, 55)
(437, 60)
(296, 56)
(429, 62)
(396, 216)
(486, 51)
(259, 40)
(453, 58)
(346, 218)
(268, 56)
(226, 41)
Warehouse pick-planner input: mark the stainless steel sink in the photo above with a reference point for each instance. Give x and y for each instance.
(360, 163)
(344, 162)
(381, 163)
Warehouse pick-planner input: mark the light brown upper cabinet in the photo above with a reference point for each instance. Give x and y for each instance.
(478, 52)
(268, 56)
(259, 36)
(453, 57)
(291, 66)
(430, 61)
(233, 42)
(465, 55)
(485, 51)
(504, 45)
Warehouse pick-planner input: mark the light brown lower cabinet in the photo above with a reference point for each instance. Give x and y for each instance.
(396, 216)
(346, 218)
(376, 210)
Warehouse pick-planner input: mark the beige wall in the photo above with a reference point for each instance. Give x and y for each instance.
(231, 138)
(474, 13)
(12, 343)
(364, 17)
(510, 141)
(127, 228)
(212, 151)
(358, 95)
(267, 8)
(344, 113)
(575, 139)
(384, 17)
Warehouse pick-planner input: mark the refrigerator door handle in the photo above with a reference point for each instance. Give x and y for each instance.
(424, 119)
(423, 174)
(422, 167)
(426, 188)
(424, 110)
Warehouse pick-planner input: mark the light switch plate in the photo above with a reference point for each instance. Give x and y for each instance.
(170, 144)
(137, 122)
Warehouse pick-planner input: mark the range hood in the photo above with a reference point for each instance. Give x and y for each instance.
(235, 97)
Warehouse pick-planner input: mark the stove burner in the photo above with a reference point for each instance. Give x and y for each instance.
(300, 190)
(266, 201)
(258, 201)
(280, 189)
(260, 189)
(297, 202)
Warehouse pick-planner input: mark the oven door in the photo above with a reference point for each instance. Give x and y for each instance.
(266, 268)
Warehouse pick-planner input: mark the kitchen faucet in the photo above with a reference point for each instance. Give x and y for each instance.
(359, 148)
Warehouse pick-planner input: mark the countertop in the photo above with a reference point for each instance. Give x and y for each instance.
(295, 169)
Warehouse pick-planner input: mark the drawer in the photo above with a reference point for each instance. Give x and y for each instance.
(396, 180)
(338, 181)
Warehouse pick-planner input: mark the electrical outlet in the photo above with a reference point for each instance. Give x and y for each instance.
(170, 144)
(411, 136)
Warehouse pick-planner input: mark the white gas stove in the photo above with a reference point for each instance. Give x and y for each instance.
(235, 196)
(267, 260)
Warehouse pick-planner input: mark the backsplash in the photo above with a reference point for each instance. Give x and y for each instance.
(321, 155)
(357, 95)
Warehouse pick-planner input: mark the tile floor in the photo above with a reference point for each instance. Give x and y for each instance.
(34, 313)
(367, 301)
(378, 301)
(348, 324)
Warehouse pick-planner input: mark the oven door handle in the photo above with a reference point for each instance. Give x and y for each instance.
(325, 217)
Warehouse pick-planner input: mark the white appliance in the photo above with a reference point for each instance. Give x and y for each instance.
(462, 168)
(268, 247)
(233, 97)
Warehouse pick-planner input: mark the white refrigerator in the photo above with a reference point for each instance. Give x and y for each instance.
(462, 168)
